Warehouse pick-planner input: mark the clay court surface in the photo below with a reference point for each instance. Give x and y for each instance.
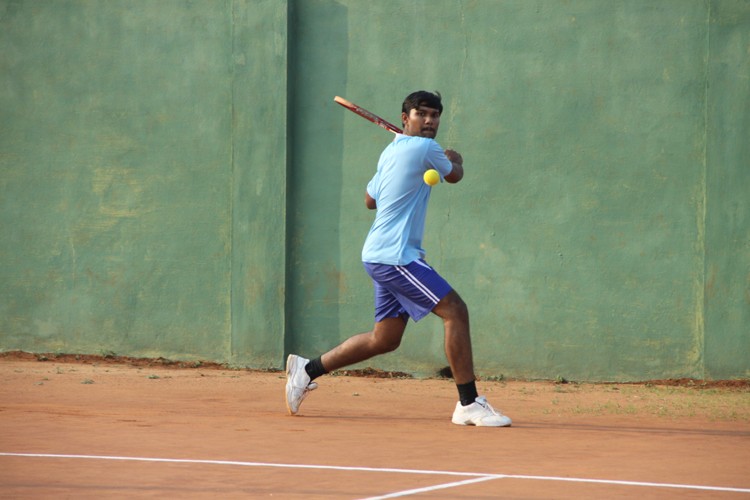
(112, 428)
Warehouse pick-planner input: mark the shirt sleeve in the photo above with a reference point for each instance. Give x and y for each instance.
(435, 158)
(371, 186)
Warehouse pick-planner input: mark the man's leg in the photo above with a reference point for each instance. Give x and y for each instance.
(384, 337)
(455, 315)
(471, 409)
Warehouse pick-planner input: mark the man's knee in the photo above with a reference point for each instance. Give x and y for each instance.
(388, 344)
(452, 307)
(387, 335)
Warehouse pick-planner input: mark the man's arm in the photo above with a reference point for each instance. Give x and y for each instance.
(370, 201)
(458, 166)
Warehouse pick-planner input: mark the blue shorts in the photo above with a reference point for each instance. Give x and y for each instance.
(412, 290)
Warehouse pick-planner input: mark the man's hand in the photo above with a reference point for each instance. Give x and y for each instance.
(454, 156)
(458, 166)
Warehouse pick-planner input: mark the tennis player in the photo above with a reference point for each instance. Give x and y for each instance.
(406, 286)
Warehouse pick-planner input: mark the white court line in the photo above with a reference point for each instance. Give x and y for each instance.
(480, 476)
(433, 488)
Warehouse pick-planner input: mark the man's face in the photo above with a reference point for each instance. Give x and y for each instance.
(421, 122)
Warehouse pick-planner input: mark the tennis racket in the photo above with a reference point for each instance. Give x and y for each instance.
(367, 115)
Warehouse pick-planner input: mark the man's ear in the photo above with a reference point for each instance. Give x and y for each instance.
(404, 117)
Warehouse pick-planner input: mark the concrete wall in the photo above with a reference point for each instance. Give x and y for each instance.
(176, 181)
(727, 236)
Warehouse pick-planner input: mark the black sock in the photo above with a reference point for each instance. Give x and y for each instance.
(315, 368)
(467, 393)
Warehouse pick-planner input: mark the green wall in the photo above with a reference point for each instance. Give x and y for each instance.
(727, 235)
(116, 176)
(175, 179)
(142, 182)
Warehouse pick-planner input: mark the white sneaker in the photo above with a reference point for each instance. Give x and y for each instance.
(298, 383)
(479, 413)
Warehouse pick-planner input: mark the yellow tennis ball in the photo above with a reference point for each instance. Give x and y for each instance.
(431, 177)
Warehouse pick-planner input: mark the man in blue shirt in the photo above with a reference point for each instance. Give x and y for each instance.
(405, 285)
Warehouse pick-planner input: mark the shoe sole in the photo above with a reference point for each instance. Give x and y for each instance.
(472, 424)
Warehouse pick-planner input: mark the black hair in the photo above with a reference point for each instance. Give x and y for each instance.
(422, 98)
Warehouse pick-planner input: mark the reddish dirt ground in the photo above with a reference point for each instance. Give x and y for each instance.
(224, 433)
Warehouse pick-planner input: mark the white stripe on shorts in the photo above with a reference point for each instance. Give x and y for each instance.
(413, 280)
(422, 263)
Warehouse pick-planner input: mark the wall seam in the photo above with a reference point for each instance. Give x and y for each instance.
(701, 303)
(286, 336)
(232, 216)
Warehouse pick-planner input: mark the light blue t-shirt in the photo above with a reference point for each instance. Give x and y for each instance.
(395, 237)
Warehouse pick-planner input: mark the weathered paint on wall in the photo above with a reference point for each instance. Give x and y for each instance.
(116, 177)
(259, 177)
(727, 264)
(176, 181)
